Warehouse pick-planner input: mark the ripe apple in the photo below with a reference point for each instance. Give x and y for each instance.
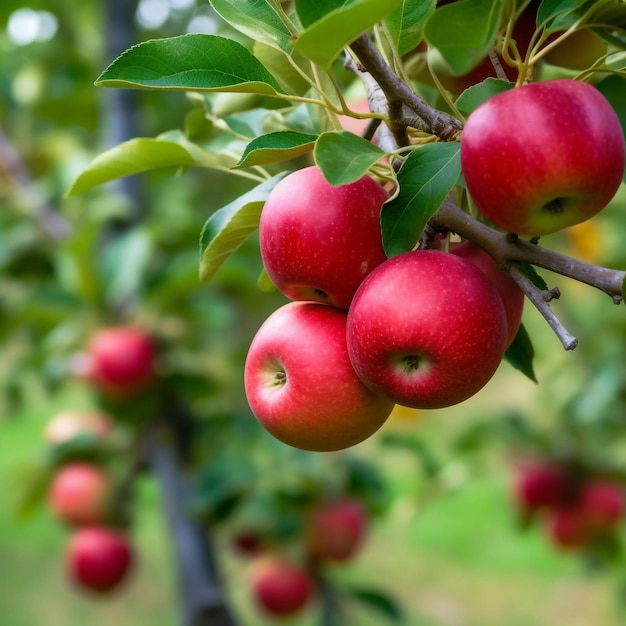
(335, 529)
(279, 586)
(300, 383)
(426, 329)
(98, 558)
(70, 423)
(603, 503)
(512, 296)
(567, 528)
(543, 156)
(121, 360)
(79, 494)
(540, 485)
(318, 242)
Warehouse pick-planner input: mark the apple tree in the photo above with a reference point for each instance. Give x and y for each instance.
(406, 235)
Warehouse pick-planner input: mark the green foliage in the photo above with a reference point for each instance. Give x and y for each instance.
(426, 178)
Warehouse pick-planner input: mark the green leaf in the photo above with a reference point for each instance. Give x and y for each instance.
(477, 94)
(193, 62)
(126, 262)
(282, 66)
(535, 278)
(425, 179)
(561, 14)
(230, 226)
(144, 154)
(256, 20)
(278, 146)
(406, 24)
(378, 601)
(520, 354)
(613, 88)
(344, 157)
(338, 23)
(464, 32)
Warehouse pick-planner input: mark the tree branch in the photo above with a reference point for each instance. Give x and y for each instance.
(399, 94)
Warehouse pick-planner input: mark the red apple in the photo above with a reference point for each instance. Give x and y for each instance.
(318, 242)
(98, 558)
(540, 485)
(79, 494)
(122, 360)
(300, 383)
(426, 329)
(567, 528)
(512, 296)
(280, 587)
(335, 530)
(543, 156)
(603, 503)
(68, 424)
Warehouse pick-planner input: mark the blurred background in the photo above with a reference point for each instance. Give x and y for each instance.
(446, 540)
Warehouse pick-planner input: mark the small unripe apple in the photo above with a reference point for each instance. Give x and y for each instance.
(318, 242)
(121, 360)
(79, 494)
(543, 156)
(68, 424)
(280, 587)
(301, 385)
(98, 558)
(512, 296)
(426, 329)
(335, 529)
(540, 485)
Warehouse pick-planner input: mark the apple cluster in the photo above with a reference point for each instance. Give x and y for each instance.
(284, 580)
(579, 509)
(99, 554)
(119, 363)
(425, 329)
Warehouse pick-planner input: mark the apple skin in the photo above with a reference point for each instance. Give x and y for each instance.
(98, 558)
(335, 530)
(512, 296)
(426, 329)
(70, 423)
(300, 383)
(318, 242)
(281, 588)
(121, 361)
(79, 494)
(543, 156)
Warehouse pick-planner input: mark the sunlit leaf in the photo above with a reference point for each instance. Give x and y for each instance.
(406, 24)
(464, 32)
(230, 226)
(278, 146)
(256, 20)
(344, 157)
(338, 23)
(425, 179)
(144, 154)
(194, 62)
(481, 92)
